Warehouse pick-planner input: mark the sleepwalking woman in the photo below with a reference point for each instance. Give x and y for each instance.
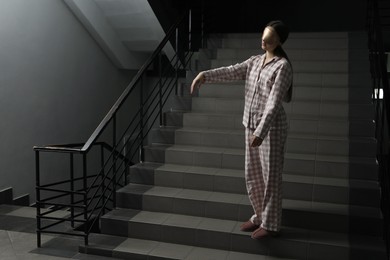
(268, 82)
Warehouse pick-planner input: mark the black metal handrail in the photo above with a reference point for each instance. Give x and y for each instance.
(94, 176)
(381, 99)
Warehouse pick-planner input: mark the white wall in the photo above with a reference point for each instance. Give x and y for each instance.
(56, 85)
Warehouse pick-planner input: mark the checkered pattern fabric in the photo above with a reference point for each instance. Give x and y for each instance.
(264, 116)
(263, 175)
(265, 89)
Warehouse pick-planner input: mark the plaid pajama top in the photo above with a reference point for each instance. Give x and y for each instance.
(265, 88)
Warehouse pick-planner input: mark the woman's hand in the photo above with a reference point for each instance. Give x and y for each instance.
(198, 81)
(255, 141)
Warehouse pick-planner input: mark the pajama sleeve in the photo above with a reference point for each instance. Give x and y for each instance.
(230, 73)
(279, 89)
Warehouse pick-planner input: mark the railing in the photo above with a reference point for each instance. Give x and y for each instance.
(381, 99)
(97, 168)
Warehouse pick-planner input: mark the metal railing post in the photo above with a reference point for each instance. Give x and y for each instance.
(202, 26)
(177, 61)
(85, 206)
(141, 121)
(38, 197)
(160, 88)
(72, 189)
(102, 175)
(114, 162)
(190, 30)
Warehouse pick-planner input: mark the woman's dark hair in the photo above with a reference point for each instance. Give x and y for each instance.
(283, 32)
(281, 53)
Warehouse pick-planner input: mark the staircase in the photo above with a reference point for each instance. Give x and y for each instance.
(188, 199)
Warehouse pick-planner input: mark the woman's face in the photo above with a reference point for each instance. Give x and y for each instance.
(269, 40)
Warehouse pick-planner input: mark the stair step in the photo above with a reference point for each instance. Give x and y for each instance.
(225, 235)
(296, 142)
(220, 157)
(229, 158)
(235, 206)
(223, 93)
(299, 112)
(297, 123)
(133, 248)
(309, 106)
(307, 188)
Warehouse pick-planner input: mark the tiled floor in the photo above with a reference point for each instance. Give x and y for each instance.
(18, 240)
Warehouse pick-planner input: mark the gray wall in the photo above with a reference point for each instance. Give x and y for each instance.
(56, 85)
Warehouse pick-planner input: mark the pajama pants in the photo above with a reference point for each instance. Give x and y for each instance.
(263, 175)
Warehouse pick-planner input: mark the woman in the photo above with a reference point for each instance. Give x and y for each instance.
(268, 82)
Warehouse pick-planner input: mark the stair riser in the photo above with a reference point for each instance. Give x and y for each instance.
(294, 144)
(297, 124)
(215, 139)
(358, 128)
(317, 110)
(218, 159)
(173, 119)
(218, 105)
(221, 91)
(331, 169)
(226, 121)
(321, 79)
(181, 102)
(162, 136)
(206, 182)
(205, 158)
(154, 155)
(313, 112)
(306, 90)
(6, 196)
(340, 224)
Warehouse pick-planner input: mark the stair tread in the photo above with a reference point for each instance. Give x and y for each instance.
(134, 246)
(238, 151)
(232, 227)
(242, 199)
(290, 135)
(290, 116)
(287, 177)
(324, 101)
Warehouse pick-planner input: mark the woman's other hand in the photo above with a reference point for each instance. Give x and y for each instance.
(255, 141)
